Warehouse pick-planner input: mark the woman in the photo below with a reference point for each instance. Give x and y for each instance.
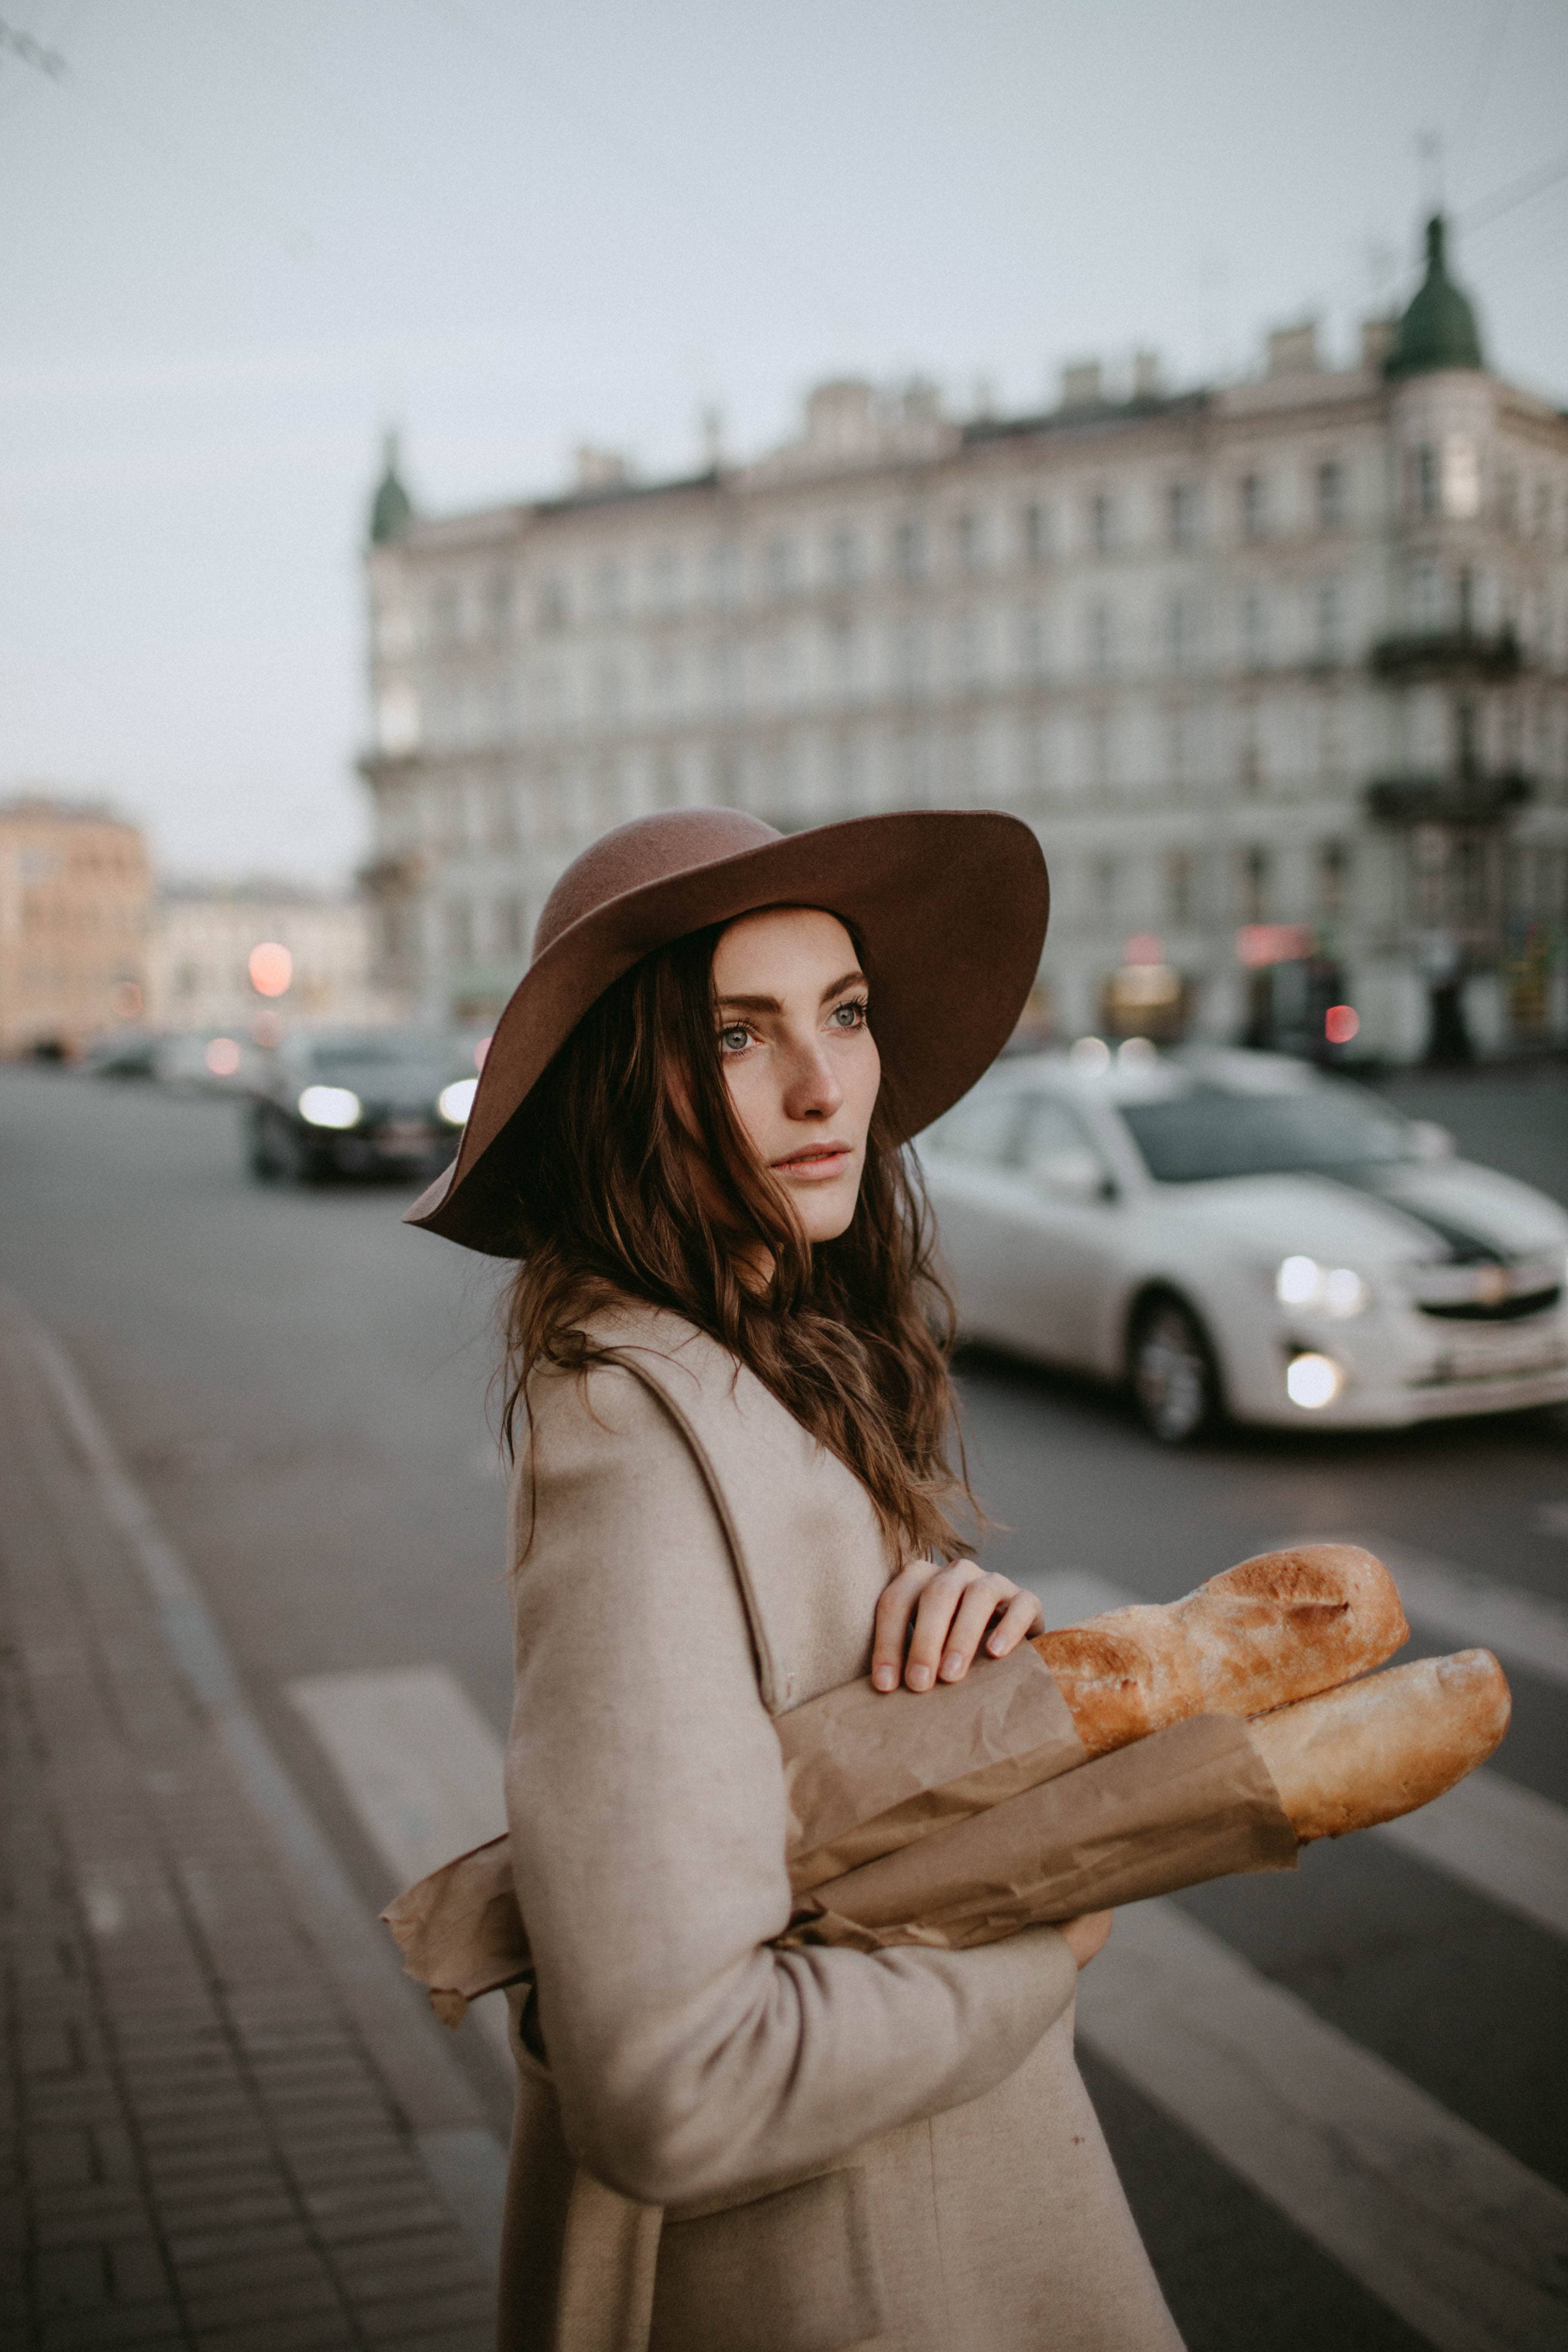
(730, 1410)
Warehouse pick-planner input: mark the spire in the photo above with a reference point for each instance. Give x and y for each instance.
(1439, 330)
(392, 509)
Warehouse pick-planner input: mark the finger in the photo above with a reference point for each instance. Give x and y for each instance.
(894, 1609)
(1022, 1616)
(933, 1615)
(979, 1605)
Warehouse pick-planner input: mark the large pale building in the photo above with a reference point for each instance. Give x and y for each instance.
(75, 895)
(1277, 670)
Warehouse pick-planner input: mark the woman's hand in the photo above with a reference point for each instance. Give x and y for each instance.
(930, 1621)
(1086, 1935)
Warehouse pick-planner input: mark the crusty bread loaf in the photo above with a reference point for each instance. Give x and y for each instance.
(1274, 1629)
(1380, 1748)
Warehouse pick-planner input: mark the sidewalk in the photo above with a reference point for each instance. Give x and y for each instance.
(227, 2122)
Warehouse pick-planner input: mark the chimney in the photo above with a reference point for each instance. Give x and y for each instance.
(1146, 375)
(1081, 385)
(599, 469)
(1293, 351)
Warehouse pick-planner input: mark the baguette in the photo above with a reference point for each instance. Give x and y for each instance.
(1380, 1748)
(1276, 1628)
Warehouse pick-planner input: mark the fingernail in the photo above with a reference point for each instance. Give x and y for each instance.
(885, 1677)
(918, 1678)
(997, 1644)
(953, 1665)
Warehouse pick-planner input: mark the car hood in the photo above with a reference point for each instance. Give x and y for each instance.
(1414, 1212)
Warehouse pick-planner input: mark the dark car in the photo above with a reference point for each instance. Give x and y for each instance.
(359, 1102)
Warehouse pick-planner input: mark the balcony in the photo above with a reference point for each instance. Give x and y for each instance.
(1447, 654)
(1472, 798)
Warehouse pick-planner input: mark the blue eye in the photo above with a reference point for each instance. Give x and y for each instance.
(734, 1040)
(850, 1016)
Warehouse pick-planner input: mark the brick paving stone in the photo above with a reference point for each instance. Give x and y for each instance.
(196, 2148)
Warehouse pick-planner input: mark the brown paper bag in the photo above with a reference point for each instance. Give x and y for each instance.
(949, 1818)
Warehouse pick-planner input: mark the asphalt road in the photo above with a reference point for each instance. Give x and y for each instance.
(300, 1386)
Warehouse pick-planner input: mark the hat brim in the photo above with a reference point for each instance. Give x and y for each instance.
(950, 906)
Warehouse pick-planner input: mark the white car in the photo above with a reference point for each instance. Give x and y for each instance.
(1236, 1233)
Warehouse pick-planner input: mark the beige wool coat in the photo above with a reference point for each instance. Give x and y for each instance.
(723, 2146)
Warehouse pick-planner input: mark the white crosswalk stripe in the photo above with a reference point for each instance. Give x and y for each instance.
(422, 1769)
(1444, 2227)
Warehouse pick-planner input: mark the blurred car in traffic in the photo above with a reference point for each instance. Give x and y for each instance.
(356, 1102)
(1239, 1234)
(123, 1052)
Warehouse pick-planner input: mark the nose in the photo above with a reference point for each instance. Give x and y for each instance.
(811, 1089)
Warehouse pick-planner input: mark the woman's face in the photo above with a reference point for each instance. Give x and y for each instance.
(800, 1063)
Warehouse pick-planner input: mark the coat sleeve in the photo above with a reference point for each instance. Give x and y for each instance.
(644, 1792)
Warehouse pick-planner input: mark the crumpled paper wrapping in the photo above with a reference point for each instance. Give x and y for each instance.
(1189, 1803)
(948, 1818)
(868, 1772)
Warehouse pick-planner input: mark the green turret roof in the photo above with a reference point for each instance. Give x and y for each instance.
(392, 509)
(1439, 330)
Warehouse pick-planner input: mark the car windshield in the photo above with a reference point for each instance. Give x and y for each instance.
(1213, 1132)
(343, 1056)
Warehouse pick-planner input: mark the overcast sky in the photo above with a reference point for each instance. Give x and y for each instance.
(238, 236)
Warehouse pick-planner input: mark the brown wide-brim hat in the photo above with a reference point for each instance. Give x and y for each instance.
(949, 906)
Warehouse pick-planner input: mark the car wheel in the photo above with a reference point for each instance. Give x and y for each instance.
(280, 1154)
(1171, 1363)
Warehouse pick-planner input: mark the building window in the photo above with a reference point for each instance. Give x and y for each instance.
(1180, 891)
(966, 660)
(554, 605)
(909, 658)
(779, 565)
(1254, 628)
(1331, 495)
(1254, 507)
(724, 574)
(1102, 522)
(445, 614)
(509, 922)
(1181, 631)
(1181, 514)
(460, 931)
(499, 605)
(609, 591)
(1328, 611)
(909, 548)
(1428, 483)
(664, 580)
(841, 654)
(844, 558)
(1039, 533)
(969, 536)
(1032, 657)
(1255, 878)
(1333, 879)
(1105, 876)
(1099, 635)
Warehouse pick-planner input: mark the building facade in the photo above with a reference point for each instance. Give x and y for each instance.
(75, 896)
(200, 973)
(1278, 670)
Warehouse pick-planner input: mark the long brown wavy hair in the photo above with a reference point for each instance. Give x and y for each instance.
(618, 1193)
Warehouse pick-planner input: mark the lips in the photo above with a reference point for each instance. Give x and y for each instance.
(815, 1159)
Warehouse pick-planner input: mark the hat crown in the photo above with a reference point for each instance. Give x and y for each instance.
(647, 849)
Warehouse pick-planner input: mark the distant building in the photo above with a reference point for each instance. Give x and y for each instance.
(1277, 670)
(201, 974)
(75, 893)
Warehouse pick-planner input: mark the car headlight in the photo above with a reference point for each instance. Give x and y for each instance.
(330, 1106)
(1313, 1382)
(1337, 1291)
(455, 1101)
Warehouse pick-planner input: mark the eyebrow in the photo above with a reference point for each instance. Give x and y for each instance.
(772, 1005)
